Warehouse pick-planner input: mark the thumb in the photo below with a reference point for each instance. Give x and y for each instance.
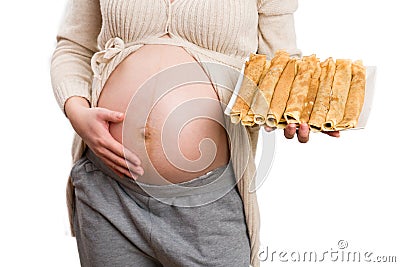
(110, 115)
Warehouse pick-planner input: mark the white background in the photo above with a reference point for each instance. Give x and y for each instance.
(316, 194)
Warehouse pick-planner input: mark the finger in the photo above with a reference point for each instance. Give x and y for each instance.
(130, 156)
(110, 115)
(333, 133)
(118, 149)
(116, 157)
(120, 171)
(126, 165)
(269, 129)
(114, 152)
(290, 131)
(303, 133)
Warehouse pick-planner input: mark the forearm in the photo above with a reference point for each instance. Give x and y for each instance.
(278, 33)
(71, 73)
(276, 29)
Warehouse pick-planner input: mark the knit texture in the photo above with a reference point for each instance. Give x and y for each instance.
(96, 35)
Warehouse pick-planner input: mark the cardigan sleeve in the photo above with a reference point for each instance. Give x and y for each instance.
(70, 69)
(276, 28)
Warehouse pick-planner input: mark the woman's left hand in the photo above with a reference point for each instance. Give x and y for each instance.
(303, 132)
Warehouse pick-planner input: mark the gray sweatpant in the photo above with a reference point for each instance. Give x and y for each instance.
(122, 222)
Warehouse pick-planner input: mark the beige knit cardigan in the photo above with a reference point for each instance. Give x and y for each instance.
(96, 35)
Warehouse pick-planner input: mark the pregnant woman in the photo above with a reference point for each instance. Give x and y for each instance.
(136, 150)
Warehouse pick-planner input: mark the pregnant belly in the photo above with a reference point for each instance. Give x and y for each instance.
(178, 136)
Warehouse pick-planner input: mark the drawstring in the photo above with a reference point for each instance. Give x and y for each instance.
(113, 47)
(169, 16)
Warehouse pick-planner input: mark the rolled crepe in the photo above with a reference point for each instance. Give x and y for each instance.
(252, 73)
(262, 99)
(340, 92)
(248, 119)
(281, 94)
(312, 94)
(264, 72)
(282, 123)
(355, 99)
(299, 90)
(321, 104)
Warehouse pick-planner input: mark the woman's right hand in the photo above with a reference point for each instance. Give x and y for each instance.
(92, 125)
(302, 131)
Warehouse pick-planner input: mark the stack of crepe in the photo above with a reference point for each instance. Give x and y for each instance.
(327, 95)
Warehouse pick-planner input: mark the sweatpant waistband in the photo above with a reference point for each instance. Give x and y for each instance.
(209, 186)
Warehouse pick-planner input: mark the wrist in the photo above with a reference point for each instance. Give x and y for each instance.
(74, 104)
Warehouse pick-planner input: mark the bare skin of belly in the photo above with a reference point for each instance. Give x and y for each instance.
(177, 151)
